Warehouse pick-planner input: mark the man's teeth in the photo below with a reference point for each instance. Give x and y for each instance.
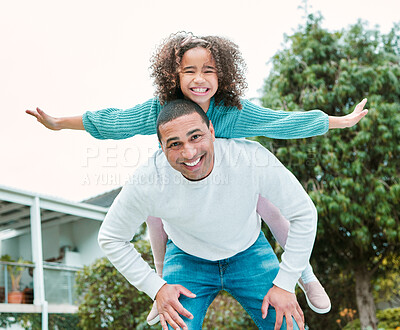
(194, 163)
(200, 90)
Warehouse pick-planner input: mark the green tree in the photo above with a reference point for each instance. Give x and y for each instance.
(352, 175)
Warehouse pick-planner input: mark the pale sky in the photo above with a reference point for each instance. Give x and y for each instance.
(68, 57)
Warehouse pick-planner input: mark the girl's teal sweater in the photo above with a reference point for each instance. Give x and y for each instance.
(228, 122)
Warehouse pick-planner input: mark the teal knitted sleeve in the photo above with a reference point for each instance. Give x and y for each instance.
(229, 122)
(254, 120)
(120, 124)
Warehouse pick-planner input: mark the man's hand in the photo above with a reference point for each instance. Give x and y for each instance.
(285, 304)
(350, 119)
(169, 307)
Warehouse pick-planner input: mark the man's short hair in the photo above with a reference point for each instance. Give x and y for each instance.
(178, 108)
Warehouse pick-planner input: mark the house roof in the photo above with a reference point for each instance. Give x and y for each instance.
(15, 211)
(104, 200)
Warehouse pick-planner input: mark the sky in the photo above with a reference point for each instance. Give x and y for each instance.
(68, 57)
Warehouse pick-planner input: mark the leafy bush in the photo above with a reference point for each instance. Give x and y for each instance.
(389, 319)
(33, 321)
(226, 313)
(108, 299)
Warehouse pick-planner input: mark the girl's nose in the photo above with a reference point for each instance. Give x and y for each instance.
(199, 77)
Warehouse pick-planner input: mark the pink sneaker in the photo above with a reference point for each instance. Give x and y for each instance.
(316, 296)
(153, 316)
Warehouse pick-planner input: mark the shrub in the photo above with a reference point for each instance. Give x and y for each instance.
(389, 319)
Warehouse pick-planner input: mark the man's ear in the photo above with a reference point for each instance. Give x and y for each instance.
(159, 138)
(211, 128)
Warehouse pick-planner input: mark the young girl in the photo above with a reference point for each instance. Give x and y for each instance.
(210, 71)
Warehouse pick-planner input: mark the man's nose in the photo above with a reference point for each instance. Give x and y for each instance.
(189, 152)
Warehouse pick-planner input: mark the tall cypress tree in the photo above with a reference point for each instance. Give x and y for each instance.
(351, 174)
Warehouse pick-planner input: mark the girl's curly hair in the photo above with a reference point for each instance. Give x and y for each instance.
(229, 64)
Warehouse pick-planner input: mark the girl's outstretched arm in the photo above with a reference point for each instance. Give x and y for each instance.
(350, 119)
(110, 123)
(255, 120)
(56, 124)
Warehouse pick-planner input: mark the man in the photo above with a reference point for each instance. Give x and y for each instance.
(206, 192)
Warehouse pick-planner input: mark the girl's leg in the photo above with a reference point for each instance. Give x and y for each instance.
(158, 241)
(279, 227)
(316, 296)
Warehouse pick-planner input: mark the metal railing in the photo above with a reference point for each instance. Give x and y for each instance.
(59, 281)
(5, 265)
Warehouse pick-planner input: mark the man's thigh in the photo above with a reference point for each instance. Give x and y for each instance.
(197, 275)
(249, 277)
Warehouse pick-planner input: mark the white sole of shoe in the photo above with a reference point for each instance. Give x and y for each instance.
(315, 309)
(154, 321)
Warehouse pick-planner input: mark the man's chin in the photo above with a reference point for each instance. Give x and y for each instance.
(194, 177)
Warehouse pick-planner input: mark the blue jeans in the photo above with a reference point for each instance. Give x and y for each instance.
(247, 276)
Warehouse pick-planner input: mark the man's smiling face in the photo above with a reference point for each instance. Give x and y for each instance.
(188, 145)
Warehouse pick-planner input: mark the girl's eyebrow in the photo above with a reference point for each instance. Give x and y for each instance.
(194, 67)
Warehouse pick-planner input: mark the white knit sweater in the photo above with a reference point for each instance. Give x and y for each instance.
(214, 218)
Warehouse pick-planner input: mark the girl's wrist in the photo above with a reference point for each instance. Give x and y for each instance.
(338, 122)
(69, 123)
(58, 124)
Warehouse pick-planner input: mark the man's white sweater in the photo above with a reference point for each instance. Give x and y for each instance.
(214, 218)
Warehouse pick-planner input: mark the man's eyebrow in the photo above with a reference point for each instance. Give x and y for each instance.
(193, 131)
(172, 139)
(175, 138)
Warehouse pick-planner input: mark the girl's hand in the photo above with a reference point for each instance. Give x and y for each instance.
(350, 119)
(56, 124)
(44, 119)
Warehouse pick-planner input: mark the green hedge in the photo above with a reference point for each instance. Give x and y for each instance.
(388, 319)
(33, 321)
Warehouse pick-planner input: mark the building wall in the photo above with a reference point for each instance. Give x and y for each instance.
(66, 236)
(51, 242)
(24, 247)
(85, 237)
(10, 247)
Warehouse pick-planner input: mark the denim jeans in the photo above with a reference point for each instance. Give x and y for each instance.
(247, 276)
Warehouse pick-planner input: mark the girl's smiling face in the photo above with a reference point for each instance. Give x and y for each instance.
(198, 76)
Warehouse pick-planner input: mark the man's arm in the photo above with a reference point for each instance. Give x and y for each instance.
(119, 226)
(285, 192)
